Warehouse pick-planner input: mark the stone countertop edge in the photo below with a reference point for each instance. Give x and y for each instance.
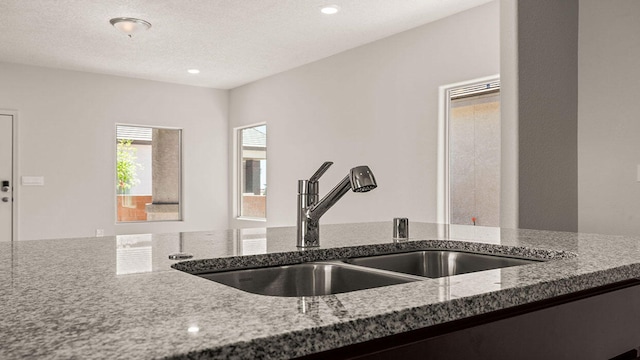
(123, 298)
(320, 254)
(332, 336)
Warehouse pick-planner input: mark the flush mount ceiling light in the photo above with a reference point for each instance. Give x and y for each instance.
(193, 71)
(130, 26)
(330, 9)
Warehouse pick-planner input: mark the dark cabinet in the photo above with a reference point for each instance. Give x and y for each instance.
(598, 324)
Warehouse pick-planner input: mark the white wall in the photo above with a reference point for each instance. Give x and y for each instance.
(609, 117)
(375, 105)
(67, 134)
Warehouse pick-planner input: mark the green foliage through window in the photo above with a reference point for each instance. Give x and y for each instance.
(127, 166)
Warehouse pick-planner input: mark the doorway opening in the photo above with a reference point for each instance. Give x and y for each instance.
(469, 191)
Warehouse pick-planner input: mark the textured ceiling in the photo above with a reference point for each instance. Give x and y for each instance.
(232, 42)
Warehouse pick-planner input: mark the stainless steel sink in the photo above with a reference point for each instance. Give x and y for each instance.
(339, 276)
(437, 263)
(307, 279)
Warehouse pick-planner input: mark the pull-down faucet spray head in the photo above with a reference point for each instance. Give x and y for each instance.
(362, 179)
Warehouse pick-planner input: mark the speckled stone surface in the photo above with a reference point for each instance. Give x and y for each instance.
(296, 257)
(119, 298)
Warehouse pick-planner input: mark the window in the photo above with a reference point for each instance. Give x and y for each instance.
(252, 172)
(148, 173)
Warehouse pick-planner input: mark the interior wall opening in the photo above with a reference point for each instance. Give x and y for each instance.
(472, 151)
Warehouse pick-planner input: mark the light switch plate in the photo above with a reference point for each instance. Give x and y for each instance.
(33, 180)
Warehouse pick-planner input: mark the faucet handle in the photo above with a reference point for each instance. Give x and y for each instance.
(324, 167)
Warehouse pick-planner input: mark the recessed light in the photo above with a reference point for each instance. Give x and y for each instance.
(193, 71)
(330, 9)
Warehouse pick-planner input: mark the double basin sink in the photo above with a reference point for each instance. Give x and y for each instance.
(339, 276)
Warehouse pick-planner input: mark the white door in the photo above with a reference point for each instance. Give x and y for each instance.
(6, 177)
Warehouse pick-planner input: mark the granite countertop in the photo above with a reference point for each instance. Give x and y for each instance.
(119, 298)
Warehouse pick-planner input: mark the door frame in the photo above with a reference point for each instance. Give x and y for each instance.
(14, 174)
(443, 204)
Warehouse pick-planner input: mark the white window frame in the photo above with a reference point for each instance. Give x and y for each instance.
(180, 180)
(237, 173)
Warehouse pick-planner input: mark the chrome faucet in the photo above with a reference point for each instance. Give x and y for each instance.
(310, 210)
